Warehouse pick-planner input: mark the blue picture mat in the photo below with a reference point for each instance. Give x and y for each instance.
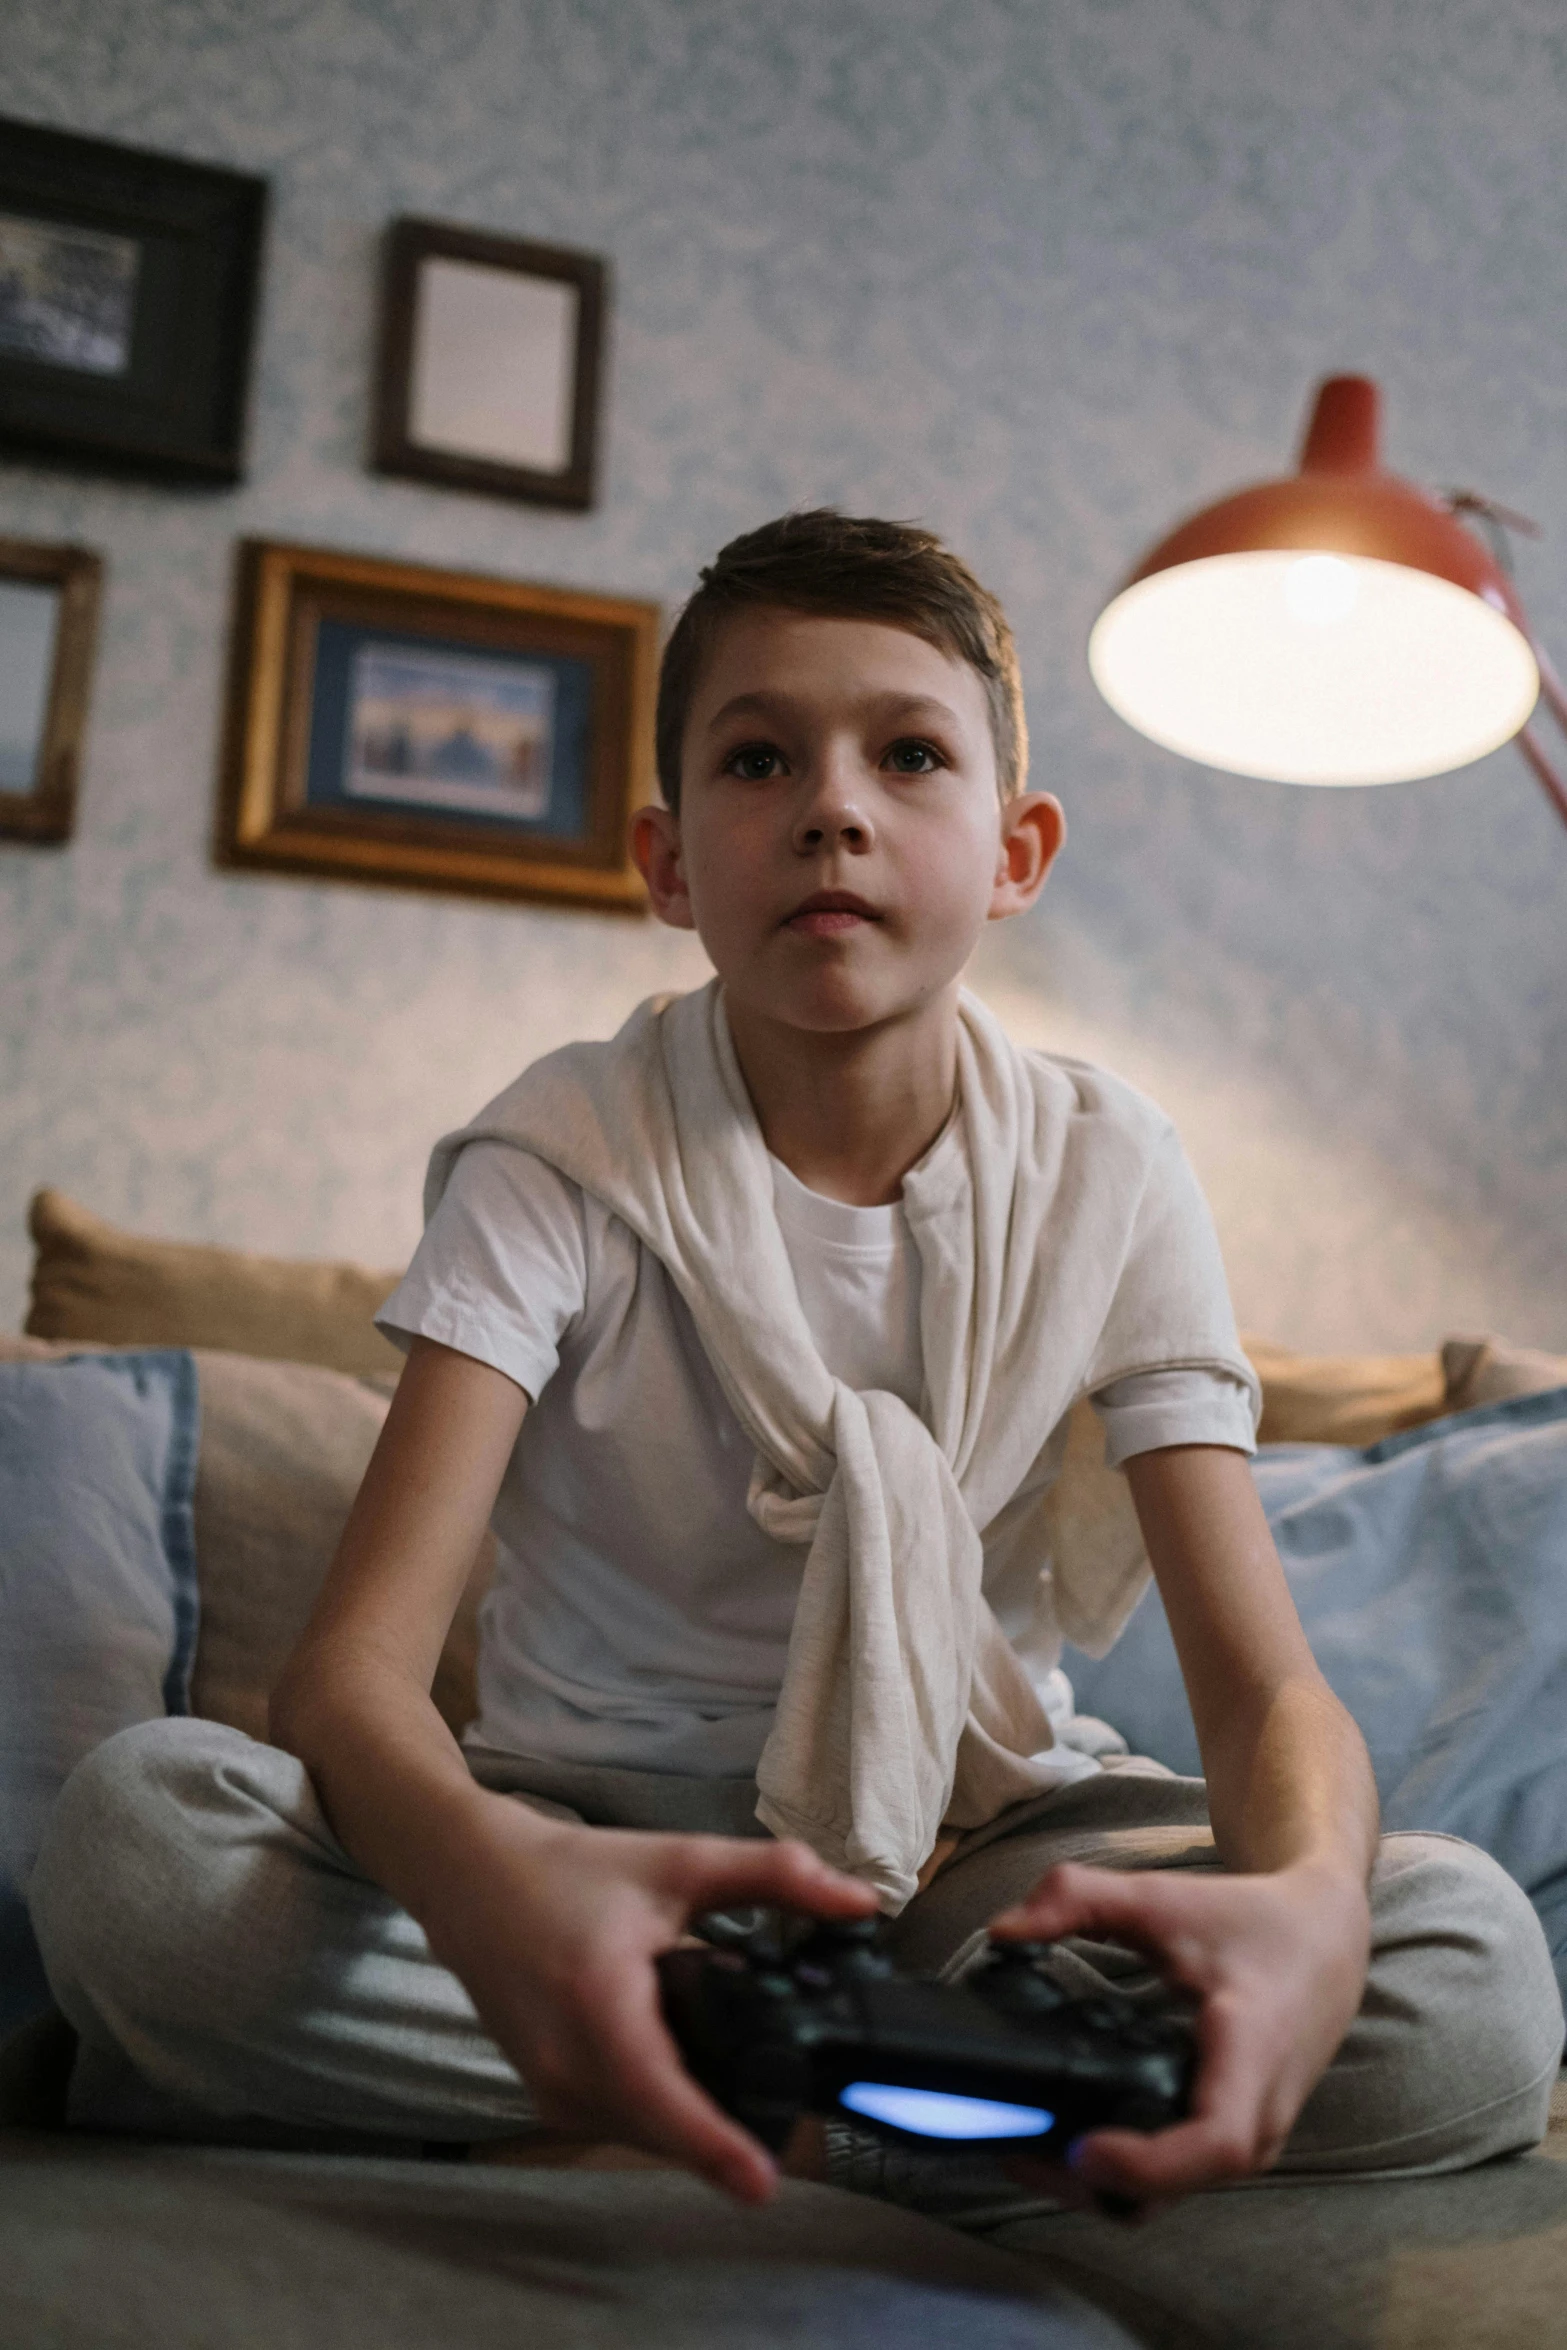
(339, 646)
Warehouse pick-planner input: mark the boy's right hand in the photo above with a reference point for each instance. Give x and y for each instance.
(553, 1929)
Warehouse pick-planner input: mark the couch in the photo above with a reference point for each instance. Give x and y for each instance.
(109, 2241)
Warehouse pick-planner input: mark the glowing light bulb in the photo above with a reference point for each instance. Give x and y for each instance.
(1232, 659)
(1320, 589)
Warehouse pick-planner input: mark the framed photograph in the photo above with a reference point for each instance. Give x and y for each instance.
(48, 621)
(127, 304)
(489, 366)
(438, 729)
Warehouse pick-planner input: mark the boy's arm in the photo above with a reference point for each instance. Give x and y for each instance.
(1289, 1779)
(552, 1927)
(1276, 1949)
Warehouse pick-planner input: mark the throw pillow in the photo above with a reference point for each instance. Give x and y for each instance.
(93, 1282)
(1343, 1399)
(1489, 1370)
(1095, 1542)
(283, 1449)
(284, 1446)
(97, 1591)
(1427, 1570)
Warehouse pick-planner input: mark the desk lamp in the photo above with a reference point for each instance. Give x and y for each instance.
(1339, 626)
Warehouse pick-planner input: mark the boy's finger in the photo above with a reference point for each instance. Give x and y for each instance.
(1224, 2137)
(724, 1868)
(1205, 2152)
(662, 2108)
(1138, 1906)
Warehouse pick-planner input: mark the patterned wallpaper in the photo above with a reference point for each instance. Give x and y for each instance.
(1046, 272)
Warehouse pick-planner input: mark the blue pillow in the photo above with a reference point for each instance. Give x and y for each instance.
(1430, 1572)
(97, 1591)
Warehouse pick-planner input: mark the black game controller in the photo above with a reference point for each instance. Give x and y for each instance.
(773, 2028)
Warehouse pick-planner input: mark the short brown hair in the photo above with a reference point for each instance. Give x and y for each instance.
(847, 567)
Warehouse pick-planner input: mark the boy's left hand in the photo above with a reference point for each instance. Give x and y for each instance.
(1278, 1961)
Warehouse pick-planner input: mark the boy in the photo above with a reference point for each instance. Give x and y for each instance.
(755, 1331)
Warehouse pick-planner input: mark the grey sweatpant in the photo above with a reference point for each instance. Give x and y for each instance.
(219, 1954)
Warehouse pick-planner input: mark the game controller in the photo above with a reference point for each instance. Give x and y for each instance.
(774, 2025)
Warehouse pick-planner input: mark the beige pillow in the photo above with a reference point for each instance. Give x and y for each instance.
(1489, 1370)
(1344, 1399)
(94, 1282)
(283, 1449)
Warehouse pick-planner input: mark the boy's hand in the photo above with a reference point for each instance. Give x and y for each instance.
(555, 1942)
(1278, 1961)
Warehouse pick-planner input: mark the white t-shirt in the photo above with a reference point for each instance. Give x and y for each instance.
(639, 1616)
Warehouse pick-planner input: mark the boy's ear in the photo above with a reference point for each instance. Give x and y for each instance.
(1033, 828)
(655, 850)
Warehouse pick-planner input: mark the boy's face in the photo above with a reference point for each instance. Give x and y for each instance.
(841, 842)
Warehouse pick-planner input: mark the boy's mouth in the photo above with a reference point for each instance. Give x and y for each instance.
(828, 913)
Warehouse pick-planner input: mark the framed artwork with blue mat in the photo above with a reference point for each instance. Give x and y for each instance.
(435, 729)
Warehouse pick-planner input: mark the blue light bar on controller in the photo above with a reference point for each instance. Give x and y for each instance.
(931, 2113)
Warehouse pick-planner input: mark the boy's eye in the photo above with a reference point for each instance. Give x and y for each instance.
(755, 762)
(913, 757)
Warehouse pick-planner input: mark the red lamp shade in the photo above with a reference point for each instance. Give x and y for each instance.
(1338, 626)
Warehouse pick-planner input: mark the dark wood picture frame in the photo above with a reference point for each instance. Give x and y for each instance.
(190, 236)
(273, 814)
(410, 245)
(47, 811)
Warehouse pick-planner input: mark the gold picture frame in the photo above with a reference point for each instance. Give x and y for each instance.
(396, 724)
(48, 629)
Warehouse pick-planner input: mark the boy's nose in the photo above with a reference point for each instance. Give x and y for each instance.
(832, 816)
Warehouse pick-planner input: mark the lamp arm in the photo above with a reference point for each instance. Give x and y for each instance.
(1554, 695)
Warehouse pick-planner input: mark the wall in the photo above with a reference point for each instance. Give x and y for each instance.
(1046, 274)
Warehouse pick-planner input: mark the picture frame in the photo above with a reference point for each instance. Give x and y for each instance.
(128, 290)
(48, 627)
(490, 360)
(393, 723)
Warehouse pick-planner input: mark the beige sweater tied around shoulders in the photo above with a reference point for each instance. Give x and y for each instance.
(1071, 1249)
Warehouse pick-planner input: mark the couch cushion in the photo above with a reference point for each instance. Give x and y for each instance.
(1096, 1543)
(97, 1590)
(1343, 1399)
(1429, 1574)
(108, 2245)
(1475, 2260)
(284, 1446)
(283, 1449)
(94, 1282)
(1489, 1370)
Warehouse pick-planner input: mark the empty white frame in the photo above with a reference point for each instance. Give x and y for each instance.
(490, 363)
